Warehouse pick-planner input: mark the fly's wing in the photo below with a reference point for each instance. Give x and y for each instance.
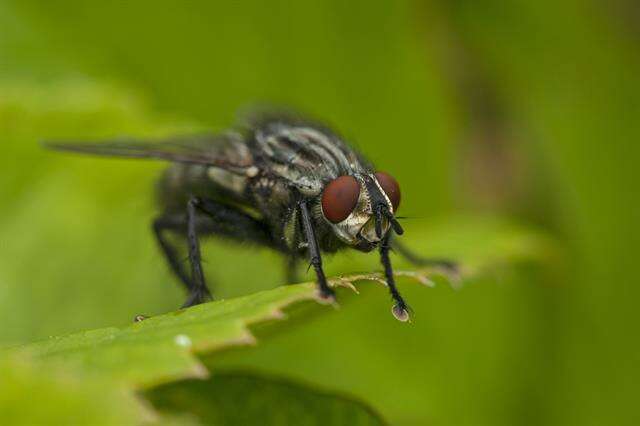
(227, 151)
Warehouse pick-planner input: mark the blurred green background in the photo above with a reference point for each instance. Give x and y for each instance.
(527, 110)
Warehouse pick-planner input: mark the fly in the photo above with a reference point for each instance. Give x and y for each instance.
(277, 180)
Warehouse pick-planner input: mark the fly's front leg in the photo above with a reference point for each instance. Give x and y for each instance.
(314, 253)
(400, 308)
(199, 291)
(418, 260)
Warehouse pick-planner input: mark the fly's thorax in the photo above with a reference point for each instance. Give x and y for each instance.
(304, 156)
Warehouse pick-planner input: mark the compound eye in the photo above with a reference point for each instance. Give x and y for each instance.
(339, 198)
(390, 187)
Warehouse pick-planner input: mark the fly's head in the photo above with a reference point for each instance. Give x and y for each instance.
(360, 208)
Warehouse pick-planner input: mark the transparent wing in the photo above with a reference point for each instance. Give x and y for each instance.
(226, 151)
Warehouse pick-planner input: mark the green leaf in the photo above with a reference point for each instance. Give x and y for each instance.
(167, 347)
(243, 398)
(34, 394)
(164, 347)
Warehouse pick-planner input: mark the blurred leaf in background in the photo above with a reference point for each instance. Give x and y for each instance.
(243, 398)
(526, 109)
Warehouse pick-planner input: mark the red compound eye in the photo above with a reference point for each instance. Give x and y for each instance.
(339, 198)
(390, 187)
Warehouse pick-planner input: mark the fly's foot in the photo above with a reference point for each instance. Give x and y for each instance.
(197, 297)
(449, 265)
(451, 270)
(401, 311)
(327, 296)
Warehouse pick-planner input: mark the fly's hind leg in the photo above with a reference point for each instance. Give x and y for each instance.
(186, 225)
(199, 292)
(160, 226)
(206, 217)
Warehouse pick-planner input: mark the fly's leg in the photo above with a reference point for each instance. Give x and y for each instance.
(199, 291)
(400, 308)
(418, 260)
(160, 225)
(206, 217)
(225, 221)
(314, 253)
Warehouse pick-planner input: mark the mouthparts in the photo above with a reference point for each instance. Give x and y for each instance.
(383, 211)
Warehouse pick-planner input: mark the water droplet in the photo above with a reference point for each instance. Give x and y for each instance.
(182, 340)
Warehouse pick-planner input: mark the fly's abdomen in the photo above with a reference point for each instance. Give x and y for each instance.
(180, 181)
